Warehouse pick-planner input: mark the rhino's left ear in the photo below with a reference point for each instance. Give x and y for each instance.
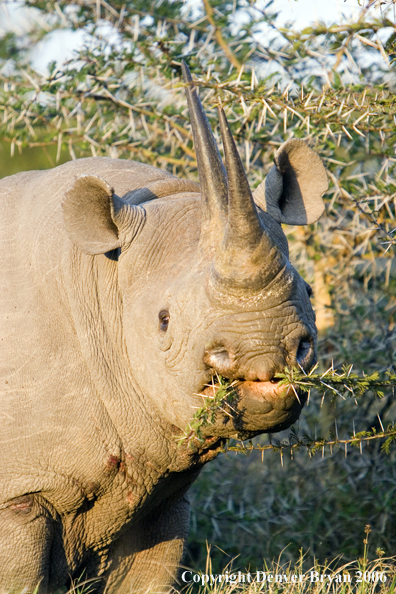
(292, 191)
(97, 220)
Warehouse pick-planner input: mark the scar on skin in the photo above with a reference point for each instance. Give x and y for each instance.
(22, 504)
(132, 498)
(112, 462)
(24, 436)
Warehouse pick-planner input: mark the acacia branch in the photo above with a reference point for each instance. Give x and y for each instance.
(219, 38)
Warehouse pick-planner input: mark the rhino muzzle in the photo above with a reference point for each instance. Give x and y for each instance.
(260, 403)
(254, 408)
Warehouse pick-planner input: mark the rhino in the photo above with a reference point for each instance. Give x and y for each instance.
(124, 292)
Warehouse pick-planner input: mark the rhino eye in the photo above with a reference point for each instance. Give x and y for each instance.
(164, 318)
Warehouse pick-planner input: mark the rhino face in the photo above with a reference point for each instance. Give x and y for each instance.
(207, 289)
(184, 325)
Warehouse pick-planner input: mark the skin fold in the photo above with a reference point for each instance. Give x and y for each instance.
(124, 291)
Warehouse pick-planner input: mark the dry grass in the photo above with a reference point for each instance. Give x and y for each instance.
(357, 577)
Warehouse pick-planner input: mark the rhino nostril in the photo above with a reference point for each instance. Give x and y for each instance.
(218, 358)
(304, 352)
(222, 356)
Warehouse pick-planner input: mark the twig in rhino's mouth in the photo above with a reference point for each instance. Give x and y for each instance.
(295, 393)
(219, 382)
(224, 393)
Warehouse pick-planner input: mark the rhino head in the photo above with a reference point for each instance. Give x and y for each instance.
(206, 284)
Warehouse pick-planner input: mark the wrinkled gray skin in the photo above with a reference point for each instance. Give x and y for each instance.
(116, 313)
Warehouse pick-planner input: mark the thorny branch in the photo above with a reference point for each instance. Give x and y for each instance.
(344, 385)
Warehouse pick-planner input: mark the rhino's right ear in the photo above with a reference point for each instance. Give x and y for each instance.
(97, 220)
(292, 191)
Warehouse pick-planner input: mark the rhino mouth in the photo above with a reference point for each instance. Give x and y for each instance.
(254, 407)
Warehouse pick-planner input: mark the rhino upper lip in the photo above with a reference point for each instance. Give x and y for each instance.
(240, 380)
(240, 383)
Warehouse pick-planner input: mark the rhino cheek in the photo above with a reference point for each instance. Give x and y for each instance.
(158, 359)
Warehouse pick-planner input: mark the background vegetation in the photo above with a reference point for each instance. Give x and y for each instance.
(330, 84)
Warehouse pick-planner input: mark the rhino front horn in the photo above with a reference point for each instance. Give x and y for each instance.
(246, 250)
(212, 175)
(244, 226)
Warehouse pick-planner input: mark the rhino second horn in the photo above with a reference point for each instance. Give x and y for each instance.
(212, 175)
(243, 220)
(246, 247)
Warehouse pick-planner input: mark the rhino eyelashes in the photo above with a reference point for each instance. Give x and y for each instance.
(164, 318)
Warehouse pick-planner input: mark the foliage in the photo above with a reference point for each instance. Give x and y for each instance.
(331, 84)
(343, 384)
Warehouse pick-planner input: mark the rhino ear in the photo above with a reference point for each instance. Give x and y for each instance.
(292, 191)
(94, 215)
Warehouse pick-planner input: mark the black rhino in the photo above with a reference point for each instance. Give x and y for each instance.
(116, 312)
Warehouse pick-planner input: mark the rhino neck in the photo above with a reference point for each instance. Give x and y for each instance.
(134, 426)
